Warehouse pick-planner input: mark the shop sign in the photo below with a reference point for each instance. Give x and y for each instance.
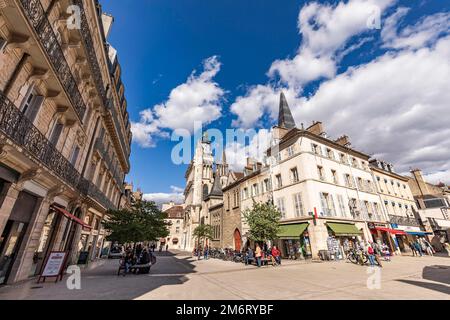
(371, 225)
(54, 265)
(409, 228)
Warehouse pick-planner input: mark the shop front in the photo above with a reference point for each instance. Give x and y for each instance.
(411, 234)
(441, 231)
(342, 237)
(293, 241)
(382, 234)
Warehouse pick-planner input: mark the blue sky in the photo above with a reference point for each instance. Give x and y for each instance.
(257, 48)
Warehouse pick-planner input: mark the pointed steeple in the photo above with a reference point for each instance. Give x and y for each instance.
(224, 158)
(216, 190)
(285, 119)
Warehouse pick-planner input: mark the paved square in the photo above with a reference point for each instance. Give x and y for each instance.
(179, 276)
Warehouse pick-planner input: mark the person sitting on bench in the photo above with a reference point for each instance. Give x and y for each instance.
(249, 257)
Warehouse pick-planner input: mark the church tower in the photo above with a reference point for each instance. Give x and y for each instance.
(222, 170)
(285, 121)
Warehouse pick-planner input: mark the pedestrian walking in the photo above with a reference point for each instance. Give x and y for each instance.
(258, 255)
(429, 248)
(205, 252)
(377, 251)
(167, 247)
(199, 252)
(413, 249)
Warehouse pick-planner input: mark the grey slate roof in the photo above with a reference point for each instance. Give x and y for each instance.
(285, 119)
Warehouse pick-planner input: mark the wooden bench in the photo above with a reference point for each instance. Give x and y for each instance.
(135, 267)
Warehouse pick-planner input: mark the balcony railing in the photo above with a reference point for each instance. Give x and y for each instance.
(85, 33)
(41, 25)
(114, 169)
(404, 221)
(17, 127)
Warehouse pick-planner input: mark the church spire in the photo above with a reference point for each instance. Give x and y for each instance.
(285, 119)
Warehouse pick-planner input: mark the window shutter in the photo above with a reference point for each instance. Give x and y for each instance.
(332, 207)
(323, 202)
(36, 104)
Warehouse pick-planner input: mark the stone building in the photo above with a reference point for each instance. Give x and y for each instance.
(398, 204)
(64, 132)
(433, 202)
(175, 218)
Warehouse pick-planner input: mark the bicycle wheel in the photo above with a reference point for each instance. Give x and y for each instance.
(352, 258)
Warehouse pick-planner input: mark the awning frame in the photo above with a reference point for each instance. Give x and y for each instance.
(70, 216)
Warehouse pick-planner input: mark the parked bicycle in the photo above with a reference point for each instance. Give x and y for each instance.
(357, 257)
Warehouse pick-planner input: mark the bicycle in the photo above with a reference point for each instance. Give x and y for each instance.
(355, 257)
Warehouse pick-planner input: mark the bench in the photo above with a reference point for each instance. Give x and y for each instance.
(264, 261)
(135, 267)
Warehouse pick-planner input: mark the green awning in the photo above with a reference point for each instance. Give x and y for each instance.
(291, 231)
(343, 229)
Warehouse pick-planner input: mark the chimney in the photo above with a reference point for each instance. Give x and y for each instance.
(423, 187)
(343, 141)
(316, 128)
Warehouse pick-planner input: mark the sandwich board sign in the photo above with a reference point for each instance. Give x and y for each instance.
(54, 265)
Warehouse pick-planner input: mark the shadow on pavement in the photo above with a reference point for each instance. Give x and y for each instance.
(102, 283)
(436, 273)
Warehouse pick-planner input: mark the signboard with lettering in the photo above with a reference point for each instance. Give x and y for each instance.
(54, 265)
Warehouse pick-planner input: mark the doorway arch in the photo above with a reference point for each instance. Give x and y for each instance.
(237, 240)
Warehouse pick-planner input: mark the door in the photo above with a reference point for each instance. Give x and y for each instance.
(9, 246)
(237, 240)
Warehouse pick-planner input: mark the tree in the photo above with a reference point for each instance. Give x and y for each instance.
(263, 220)
(143, 222)
(203, 231)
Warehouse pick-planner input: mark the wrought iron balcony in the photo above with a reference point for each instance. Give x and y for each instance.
(86, 37)
(404, 221)
(113, 167)
(39, 21)
(17, 127)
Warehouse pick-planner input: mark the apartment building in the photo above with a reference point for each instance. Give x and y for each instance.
(175, 218)
(398, 204)
(64, 133)
(433, 206)
(323, 187)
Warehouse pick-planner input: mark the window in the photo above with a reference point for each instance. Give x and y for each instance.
(3, 44)
(321, 173)
(327, 202)
(278, 157)
(279, 182)
(266, 185)
(281, 207)
(290, 151)
(355, 163)
(341, 205)
(56, 132)
(360, 183)
(348, 180)
(335, 178)
(298, 205)
(31, 104)
(245, 196)
(343, 158)
(74, 156)
(177, 230)
(255, 189)
(294, 175)
(330, 154)
(315, 148)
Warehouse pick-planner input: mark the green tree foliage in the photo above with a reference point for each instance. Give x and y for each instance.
(203, 231)
(143, 222)
(263, 220)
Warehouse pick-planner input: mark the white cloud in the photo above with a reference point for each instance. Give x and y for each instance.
(237, 152)
(196, 100)
(397, 106)
(160, 197)
(424, 32)
(325, 29)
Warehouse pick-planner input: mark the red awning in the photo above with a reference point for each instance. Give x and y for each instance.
(393, 231)
(70, 216)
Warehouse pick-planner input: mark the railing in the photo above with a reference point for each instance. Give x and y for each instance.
(85, 33)
(17, 127)
(87, 188)
(405, 221)
(39, 21)
(115, 117)
(113, 168)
